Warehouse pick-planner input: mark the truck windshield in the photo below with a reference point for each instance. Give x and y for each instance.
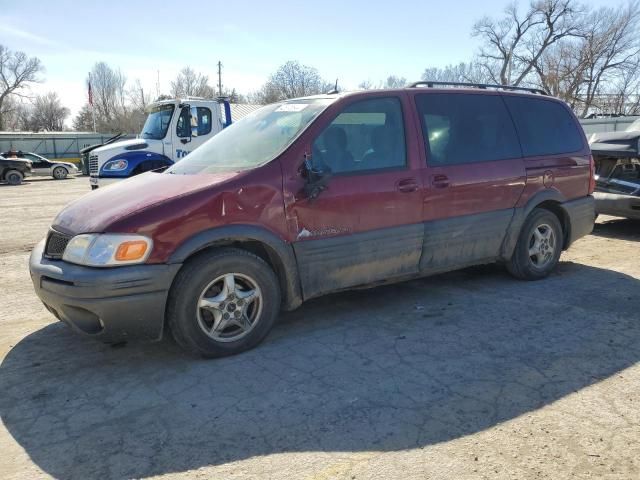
(256, 139)
(158, 121)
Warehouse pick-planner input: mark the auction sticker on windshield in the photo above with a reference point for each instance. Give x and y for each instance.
(291, 107)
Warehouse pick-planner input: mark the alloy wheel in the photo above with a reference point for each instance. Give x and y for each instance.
(542, 245)
(229, 307)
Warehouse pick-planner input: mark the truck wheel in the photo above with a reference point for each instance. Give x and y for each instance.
(60, 173)
(539, 246)
(14, 177)
(223, 302)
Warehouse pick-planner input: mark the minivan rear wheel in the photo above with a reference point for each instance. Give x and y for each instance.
(539, 246)
(223, 302)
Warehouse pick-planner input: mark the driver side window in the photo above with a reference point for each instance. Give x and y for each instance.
(366, 136)
(183, 127)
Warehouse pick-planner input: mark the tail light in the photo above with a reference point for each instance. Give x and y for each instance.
(592, 175)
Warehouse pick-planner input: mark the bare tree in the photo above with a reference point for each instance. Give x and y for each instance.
(514, 43)
(17, 71)
(366, 85)
(47, 113)
(188, 83)
(10, 111)
(108, 87)
(138, 96)
(460, 73)
(599, 69)
(610, 51)
(392, 81)
(291, 80)
(83, 121)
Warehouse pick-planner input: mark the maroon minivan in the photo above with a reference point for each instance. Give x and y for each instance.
(315, 195)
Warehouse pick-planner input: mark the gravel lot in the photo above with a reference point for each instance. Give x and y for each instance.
(466, 375)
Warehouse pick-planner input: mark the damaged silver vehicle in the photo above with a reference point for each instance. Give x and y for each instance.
(617, 160)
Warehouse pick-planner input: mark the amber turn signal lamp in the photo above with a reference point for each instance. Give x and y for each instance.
(129, 251)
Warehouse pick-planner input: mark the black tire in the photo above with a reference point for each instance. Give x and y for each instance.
(14, 177)
(184, 316)
(522, 264)
(60, 173)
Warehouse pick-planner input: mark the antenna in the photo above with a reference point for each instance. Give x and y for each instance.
(335, 89)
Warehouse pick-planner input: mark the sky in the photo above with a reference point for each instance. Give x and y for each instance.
(348, 40)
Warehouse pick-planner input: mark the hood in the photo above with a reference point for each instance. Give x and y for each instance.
(93, 147)
(613, 137)
(133, 144)
(615, 144)
(100, 208)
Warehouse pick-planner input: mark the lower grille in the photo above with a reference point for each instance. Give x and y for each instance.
(93, 164)
(56, 243)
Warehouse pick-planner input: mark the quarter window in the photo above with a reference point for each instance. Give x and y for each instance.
(466, 128)
(545, 127)
(367, 135)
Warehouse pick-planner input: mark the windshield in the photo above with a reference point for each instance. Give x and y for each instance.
(634, 127)
(157, 122)
(256, 139)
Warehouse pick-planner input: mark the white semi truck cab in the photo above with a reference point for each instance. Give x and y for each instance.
(173, 129)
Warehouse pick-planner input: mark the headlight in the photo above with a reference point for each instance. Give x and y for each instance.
(115, 165)
(105, 250)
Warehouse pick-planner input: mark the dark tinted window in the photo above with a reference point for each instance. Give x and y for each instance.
(366, 135)
(545, 127)
(460, 128)
(183, 127)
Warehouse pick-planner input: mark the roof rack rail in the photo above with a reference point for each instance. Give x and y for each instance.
(430, 84)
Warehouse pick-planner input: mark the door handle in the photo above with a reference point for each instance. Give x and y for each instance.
(407, 185)
(440, 181)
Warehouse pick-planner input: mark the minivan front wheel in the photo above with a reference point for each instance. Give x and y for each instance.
(223, 302)
(539, 246)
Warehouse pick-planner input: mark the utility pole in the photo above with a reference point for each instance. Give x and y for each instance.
(219, 78)
(93, 109)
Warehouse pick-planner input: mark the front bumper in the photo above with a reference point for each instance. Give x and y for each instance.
(97, 182)
(618, 205)
(110, 304)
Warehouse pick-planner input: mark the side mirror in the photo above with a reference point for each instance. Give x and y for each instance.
(316, 178)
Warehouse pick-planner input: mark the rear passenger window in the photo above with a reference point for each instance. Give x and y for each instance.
(545, 127)
(462, 128)
(366, 135)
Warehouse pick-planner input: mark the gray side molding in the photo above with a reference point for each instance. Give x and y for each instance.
(285, 260)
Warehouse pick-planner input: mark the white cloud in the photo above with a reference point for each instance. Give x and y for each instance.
(13, 32)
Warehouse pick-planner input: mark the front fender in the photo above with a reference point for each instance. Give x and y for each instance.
(280, 253)
(137, 161)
